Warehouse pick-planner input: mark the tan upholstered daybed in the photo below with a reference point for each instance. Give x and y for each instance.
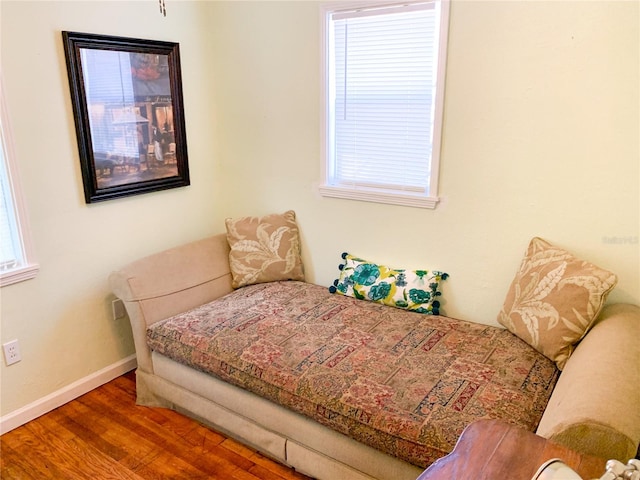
(343, 388)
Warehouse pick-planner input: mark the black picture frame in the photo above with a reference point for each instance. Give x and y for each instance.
(129, 114)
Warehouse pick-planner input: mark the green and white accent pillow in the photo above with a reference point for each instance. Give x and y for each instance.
(415, 290)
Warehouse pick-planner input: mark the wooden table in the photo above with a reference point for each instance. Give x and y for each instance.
(493, 449)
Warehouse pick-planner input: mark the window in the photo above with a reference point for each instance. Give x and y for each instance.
(383, 95)
(16, 263)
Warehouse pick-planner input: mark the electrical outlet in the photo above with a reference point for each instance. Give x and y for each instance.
(11, 352)
(117, 309)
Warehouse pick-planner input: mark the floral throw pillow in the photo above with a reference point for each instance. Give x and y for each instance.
(415, 290)
(554, 299)
(264, 249)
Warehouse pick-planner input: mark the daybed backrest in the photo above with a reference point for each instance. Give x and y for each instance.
(170, 282)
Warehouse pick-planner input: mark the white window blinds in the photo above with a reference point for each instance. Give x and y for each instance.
(10, 244)
(382, 80)
(16, 263)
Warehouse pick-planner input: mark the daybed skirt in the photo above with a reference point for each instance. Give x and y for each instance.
(402, 382)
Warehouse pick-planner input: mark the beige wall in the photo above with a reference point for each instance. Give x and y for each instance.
(62, 318)
(541, 137)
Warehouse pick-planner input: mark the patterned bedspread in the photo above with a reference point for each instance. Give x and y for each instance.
(402, 382)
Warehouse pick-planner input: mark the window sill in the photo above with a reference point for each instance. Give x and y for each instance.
(377, 196)
(19, 274)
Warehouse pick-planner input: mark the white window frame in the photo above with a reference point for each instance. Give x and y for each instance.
(24, 267)
(330, 187)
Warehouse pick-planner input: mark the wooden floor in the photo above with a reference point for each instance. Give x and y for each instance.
(104, 435)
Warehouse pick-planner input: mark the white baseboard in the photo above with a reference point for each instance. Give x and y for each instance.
(46, 404)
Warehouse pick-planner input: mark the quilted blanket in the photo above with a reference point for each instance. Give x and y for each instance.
(399, 381)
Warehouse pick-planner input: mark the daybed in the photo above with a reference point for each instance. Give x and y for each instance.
(365, 429)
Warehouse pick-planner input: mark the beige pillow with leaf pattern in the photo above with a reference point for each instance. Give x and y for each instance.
(264, 249)
(554, 299)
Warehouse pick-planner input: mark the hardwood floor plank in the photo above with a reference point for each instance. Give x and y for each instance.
(105, 435)
(207, 442)
(83, 425)
(166, 465)
(274, 468)
(120, 443)
(12, 465)
(29, 453)
(51, 423)
(243, 475)
(127, 383)
(70, 459)
(165, 438)
(204, 438)
(260, 459)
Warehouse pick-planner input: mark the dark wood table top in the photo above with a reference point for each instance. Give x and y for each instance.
(494, 449)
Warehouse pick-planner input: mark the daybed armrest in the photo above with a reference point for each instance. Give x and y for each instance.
(170, 282)
(595, 406)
